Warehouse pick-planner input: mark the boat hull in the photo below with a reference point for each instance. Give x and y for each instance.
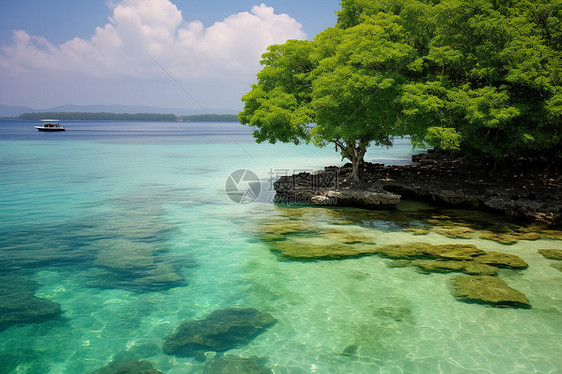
(50, 129)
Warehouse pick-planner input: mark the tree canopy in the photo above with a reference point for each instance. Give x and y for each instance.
(480, 76)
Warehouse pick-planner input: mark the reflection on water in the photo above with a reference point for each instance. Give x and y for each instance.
(110, 253)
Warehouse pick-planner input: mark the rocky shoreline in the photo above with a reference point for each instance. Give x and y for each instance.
(526, 188)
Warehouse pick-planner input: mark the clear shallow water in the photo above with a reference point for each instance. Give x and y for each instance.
(128, 228)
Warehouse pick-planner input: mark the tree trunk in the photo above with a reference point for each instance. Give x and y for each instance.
(355, 169)
(355, 152)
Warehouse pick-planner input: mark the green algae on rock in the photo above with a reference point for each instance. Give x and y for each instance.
(552, 254)
(303, 251)
(454, 231)
(487, 290)
(425, 250)
(512, 234)
(127, 367)
(417, 231)
(501, 260)
(278, 229)
(468, 267)
(220, 331)
(508, 237)
(465, 258)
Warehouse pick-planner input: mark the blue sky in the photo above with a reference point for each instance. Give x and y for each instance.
(138, 52)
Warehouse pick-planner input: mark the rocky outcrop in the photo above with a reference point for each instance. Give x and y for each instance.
(525, 187)
(222, 330)
(322, 189)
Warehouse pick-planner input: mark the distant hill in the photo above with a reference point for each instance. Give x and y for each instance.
(15, 111)
(104, 116)
(133, 109)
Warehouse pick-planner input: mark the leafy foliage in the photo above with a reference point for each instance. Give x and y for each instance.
(480, 76)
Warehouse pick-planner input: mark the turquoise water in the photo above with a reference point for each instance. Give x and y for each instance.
(128, 227)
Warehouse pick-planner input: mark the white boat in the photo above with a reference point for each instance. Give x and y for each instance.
(50, 125)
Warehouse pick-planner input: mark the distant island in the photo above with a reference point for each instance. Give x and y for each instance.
(102, 116)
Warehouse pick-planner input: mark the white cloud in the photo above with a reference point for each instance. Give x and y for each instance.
(139, 29)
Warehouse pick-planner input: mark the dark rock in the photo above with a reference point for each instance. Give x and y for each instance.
(442, 179)
(127, 367)
(349, 197)
(487, 290)
(222, 330)
(232, 364)
(553, 254)
(18, 305)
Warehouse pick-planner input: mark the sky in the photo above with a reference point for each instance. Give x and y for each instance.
(164, 53)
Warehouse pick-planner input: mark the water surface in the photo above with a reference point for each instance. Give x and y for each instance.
(127, 226)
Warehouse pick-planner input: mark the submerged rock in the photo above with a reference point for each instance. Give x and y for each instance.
(453, 231)
(127, 367)
(552, 254)
(135, 266)
(424, 250)
(468, 267)
(19, 305)
(278, 229)
(487, 290)
(512, 234)
(501, 260)
(417, 231)
(465, 258)
(222, 330)
(509, 237)
(301, 251)
(232, 364)
(350, 350)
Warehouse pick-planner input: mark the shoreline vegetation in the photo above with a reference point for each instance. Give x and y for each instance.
(104, 116)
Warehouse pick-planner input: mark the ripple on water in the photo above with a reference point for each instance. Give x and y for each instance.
(129, 259)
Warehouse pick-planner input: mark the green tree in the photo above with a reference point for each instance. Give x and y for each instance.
(334, 90)
(479, 76)
(492, 74)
